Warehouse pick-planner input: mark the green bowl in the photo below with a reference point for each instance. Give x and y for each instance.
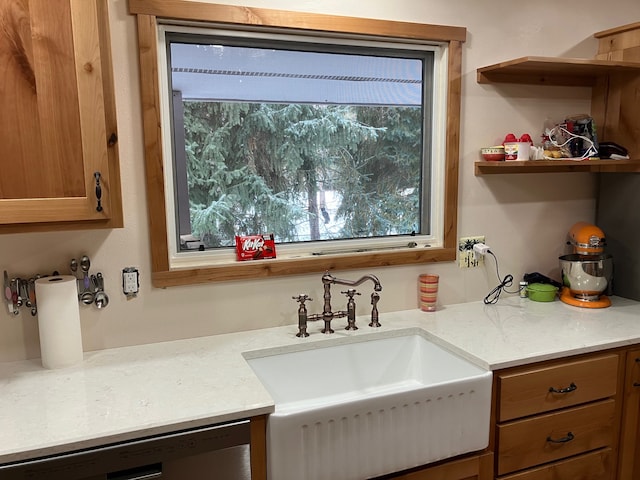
(542, 292)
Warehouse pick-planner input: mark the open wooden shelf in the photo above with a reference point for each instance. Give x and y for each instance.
(554, 71)
(558, 72)
(556, 166)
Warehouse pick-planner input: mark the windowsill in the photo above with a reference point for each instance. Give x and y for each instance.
(298, 265)
(220, 257)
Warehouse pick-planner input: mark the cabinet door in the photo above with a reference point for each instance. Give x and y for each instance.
(54, 139)
(478, 467)
(590, 466)
(629, 466)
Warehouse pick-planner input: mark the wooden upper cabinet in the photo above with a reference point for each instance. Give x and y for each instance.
(58, 148)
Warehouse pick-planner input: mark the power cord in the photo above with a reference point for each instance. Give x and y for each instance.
(559, 130)
(494, 295)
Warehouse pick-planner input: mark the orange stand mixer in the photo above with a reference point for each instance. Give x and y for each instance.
(587, 271)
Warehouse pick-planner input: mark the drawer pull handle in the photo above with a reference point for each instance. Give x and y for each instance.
(97, 176)
(570, 436)
(636, 384)
(569, 389)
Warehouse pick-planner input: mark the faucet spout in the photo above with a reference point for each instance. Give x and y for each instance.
(328, 279)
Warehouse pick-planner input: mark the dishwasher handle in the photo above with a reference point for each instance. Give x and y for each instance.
(146, 472)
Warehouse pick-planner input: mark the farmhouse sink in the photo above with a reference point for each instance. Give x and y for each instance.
(369, 407)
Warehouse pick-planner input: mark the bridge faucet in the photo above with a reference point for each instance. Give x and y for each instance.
(328, 314)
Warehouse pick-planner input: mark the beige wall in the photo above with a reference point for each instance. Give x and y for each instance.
(524, 217)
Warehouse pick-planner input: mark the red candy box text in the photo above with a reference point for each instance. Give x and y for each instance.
(255, 247)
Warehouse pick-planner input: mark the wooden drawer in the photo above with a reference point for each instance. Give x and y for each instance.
(591, 466)
(529, 392)
(478, 467)
(536, 440)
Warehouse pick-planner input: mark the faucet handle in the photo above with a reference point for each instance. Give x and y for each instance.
(302, 297)
(351, 308)
(350, 293)
(302, 314)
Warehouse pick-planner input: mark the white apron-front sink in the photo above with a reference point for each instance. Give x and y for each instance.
(371, 407)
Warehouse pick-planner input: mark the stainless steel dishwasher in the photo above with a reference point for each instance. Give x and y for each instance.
(218, 452)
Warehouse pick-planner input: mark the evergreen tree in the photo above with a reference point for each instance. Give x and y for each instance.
(381, 182)
(258, 168)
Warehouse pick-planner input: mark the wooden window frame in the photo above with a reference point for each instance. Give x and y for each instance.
(151, 12)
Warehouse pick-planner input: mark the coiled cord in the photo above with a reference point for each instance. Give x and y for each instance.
(494, 295)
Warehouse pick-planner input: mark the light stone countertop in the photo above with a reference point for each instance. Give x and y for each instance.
(131, 392)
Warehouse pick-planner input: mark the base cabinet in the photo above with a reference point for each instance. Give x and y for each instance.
(591, 466)
(629, 465)
(559, 420)
(258, 450)
(477, 467)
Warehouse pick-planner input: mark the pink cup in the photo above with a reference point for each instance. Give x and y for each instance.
(427, 291)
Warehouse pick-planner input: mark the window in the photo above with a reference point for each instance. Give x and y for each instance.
(309, 141)
(343, 145)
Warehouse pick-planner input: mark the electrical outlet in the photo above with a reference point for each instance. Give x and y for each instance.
(466, 256)
(130, 281)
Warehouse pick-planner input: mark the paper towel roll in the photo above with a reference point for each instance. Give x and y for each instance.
(59, 321)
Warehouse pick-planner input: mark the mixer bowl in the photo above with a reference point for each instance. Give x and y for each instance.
(587, 276)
